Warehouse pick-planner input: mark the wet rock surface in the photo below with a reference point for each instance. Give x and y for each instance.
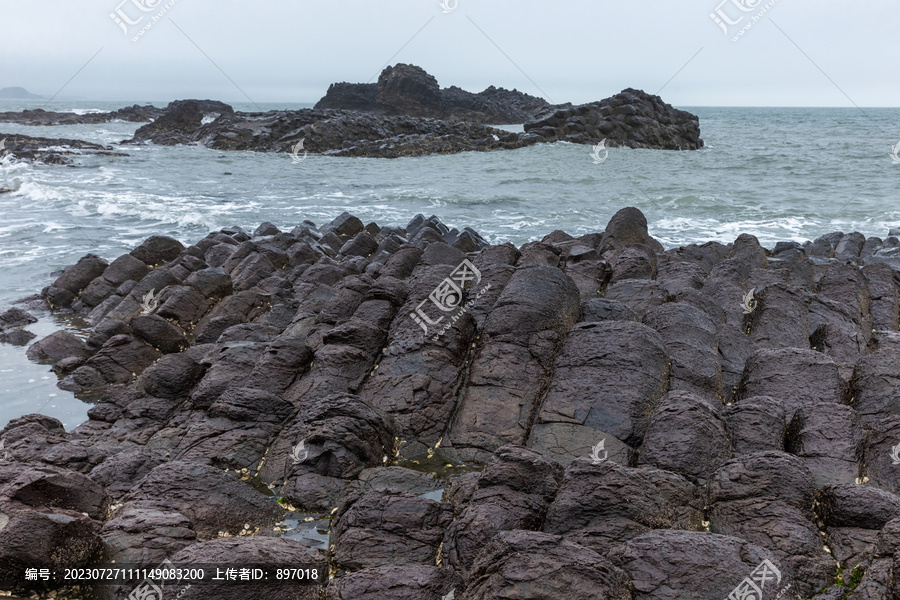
(422, 414)
(39, 116)
(50, 151)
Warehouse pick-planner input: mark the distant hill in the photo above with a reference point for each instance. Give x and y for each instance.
(17, 93)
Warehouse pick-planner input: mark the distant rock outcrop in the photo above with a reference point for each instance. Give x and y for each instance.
(409, 90)
(39, 116)
(632, 118)
(48, 150)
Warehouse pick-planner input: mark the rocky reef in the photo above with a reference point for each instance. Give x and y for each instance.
(409, 90)
(39, 116)
(49, 150)
(328, 132)
(632, 118)
(584, 417)
(405, 113)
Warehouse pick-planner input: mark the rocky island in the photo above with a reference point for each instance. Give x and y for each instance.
(583, 417)
(405, 113)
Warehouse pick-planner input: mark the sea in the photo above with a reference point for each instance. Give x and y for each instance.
(777, 173)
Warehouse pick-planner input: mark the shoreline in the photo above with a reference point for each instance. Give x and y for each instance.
(274, 372)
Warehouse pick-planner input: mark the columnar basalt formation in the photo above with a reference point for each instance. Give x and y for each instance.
(593, 416)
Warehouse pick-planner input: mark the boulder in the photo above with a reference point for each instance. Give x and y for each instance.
(529, 564)
(383, 529)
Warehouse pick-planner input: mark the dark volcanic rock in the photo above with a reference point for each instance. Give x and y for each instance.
(406, 582)
(513, 492)
(214, 501)
(756, 424)
(675, 565)
(608, 377)
(183, 116)
(528, 564)
(672, 440)
(408, 90)
(686, 435)
(798, 377)
(631, 118)
(50, 151)
(600, 505)
(522, 336)
(245, 551)
(406, 114)
(39, 116)
(44, 539)
(857, 506)
(381, 529)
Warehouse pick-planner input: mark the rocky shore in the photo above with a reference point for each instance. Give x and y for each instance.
(590, 417)
(41, 117)
(51, 151)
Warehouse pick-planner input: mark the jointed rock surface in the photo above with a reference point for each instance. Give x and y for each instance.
(628, 425)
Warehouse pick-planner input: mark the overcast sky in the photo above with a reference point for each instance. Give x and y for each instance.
(799, 53)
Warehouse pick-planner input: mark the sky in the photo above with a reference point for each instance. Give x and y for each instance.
(797, 52)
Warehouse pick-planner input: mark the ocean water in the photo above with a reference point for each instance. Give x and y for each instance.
(778, 173)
